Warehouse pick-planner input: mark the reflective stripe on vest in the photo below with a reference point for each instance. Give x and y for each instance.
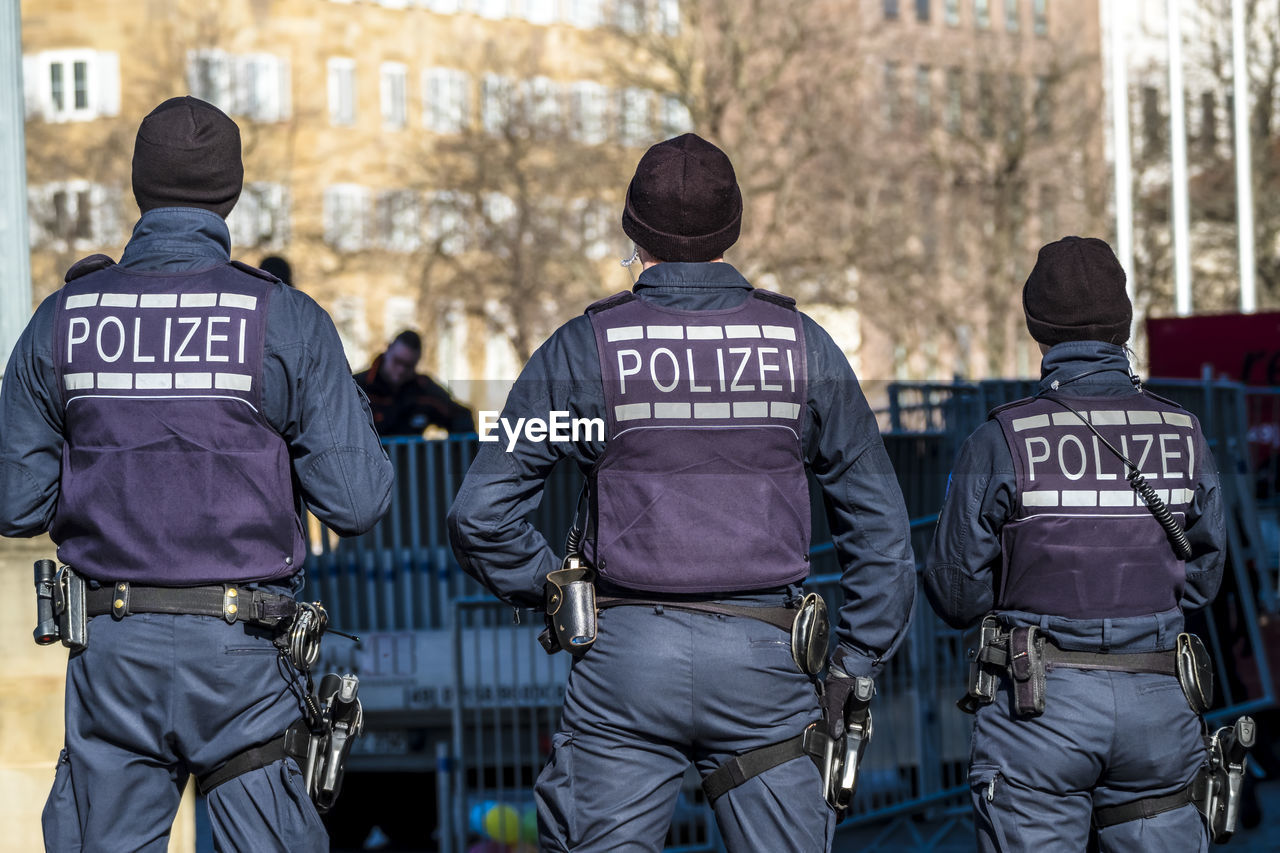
(1081, 543)
(170, 474)
(702, 485)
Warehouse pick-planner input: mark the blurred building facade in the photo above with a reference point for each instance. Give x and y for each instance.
(457, 166)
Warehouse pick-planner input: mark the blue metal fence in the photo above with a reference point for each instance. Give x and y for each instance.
(499, 694)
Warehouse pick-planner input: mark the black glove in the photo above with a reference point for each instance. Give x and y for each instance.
(841, 694)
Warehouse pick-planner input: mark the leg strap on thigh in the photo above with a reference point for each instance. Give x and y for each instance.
(748, 765)
(291, 744)
(1144, 808)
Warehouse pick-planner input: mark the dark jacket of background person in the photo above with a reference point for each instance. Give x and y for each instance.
(411, 408)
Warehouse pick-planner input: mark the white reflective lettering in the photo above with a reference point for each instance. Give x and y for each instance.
(745, 352)
(194, 322)
(210, 337)
(675, 368)
(119, 327)
(73, 338)
(1097, 463)
(765, 368)
(1166, 454)
(1062, 457)
(1032, 458)
(623, 371)
(693, 380)
(138, 358)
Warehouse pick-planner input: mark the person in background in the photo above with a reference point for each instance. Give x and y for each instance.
(278, 267)
(405, 402)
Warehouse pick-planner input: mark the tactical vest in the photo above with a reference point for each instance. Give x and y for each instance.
(702, 485)
(1081, 543)
(170, 473)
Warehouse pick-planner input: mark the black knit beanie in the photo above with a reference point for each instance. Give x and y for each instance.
(683, 203)
(187, 154)
(1076, 293)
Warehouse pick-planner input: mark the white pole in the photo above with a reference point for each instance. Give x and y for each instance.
(1122, 150)
(1244, 161)
(15, 247)
(1178, 158)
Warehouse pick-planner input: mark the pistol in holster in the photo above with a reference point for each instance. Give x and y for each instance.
(69, 605)
(570, 597)
(986, 663)
(325, 746)
(840, 758)
(1216, 791)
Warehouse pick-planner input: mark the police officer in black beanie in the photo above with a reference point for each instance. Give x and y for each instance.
(716, 400)
(1080, 719)
(164, 419)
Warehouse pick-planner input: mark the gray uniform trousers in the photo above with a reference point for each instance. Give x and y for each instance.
(1105, 738)
(155, 698)
(658, 691)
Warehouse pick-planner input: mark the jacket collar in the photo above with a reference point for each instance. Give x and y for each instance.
(1082, 367)
(718, 276)
(178, 239)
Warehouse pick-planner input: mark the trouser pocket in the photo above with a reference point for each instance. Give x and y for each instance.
(990, 813)
(60, 820)
(554, 794)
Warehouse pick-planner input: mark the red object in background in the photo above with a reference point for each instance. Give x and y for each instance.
(1242, 347)
(1239, 347)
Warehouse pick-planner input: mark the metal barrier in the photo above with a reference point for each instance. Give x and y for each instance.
(499, 695)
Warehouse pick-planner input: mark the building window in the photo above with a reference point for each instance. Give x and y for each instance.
(924, 97)
(540, 11)
(346, 215)
(590, 109)
(667, 20)
(392, 86)
(891, 9)
(71, 85)
(493, 9)
(951, 12)
(891, 106)
(73, 216)
(1043, 106)
(1040, 17)
(342, 92)
(923, 10)
(495, 103)
(446, 94)
(253, 85)
(584, 13)
(629, 15)
(675, 117)
(1011, 14)
(634, 118)
(398, 217)
(954, 110)
(982, 14)
(540, 101)
(260, 218)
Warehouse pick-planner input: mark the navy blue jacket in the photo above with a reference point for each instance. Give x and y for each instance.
(961, 573)
(496, 544)
(308, 396)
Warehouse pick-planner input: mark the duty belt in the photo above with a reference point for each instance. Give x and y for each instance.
(1157, 663)
(226, 601)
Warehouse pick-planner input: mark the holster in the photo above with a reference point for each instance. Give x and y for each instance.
(984, 675)
(1195, 672)
(810, 632)
(1026, 667)
(571, 608)
(1216, 791)
(69, 608)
